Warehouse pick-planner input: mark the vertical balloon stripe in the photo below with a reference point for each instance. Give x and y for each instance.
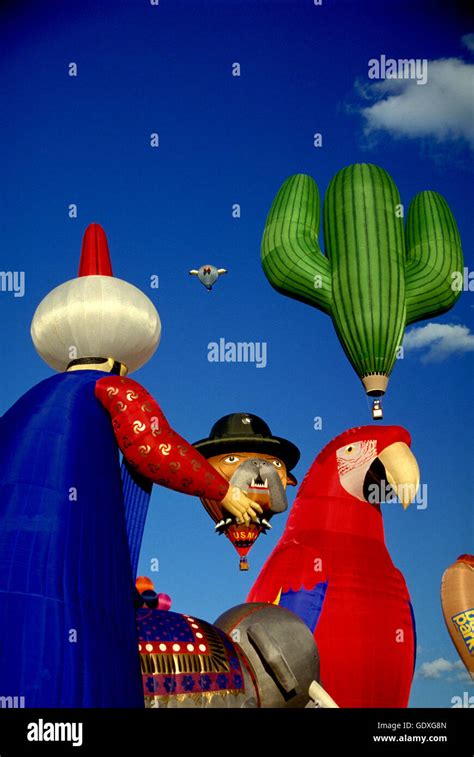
(384, 240)
(336, 237)
(136, 493)
(393, 306)
(353, 271)
(366, 264)
(374, 271)
(361, 265)
(394, 303)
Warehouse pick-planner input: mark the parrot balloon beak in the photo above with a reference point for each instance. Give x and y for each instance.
(401, 471)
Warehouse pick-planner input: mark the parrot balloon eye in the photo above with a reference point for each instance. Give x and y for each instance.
(349, 453)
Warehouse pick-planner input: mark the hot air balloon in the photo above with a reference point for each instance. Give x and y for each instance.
(376, 277)
(243, 538)
(457, 600)
(280, 651)
(66, 503)
(333, 569)
(254, 655)
(147, 596)
(143, 583)
(208, 275)
(243, 450)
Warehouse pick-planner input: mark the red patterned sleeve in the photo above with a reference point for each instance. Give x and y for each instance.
(150, 445)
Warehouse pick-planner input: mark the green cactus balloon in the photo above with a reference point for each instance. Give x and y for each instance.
(376, 276)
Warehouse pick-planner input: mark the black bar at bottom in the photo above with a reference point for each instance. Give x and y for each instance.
(200, 731)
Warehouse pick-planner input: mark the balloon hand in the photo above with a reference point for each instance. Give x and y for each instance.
(240, 506)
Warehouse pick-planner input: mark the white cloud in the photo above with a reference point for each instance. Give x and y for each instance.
(439, 341)
(468, 41)
(442, 108)
(463, 676)
(436, 668)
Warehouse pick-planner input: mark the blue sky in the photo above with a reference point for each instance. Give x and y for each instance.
(226, 140)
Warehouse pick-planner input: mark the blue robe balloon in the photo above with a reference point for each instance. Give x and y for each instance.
(65, 577)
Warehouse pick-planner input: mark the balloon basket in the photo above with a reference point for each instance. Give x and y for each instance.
(377, 410)
(243, 565)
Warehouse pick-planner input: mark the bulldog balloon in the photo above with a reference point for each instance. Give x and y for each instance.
(243, 450)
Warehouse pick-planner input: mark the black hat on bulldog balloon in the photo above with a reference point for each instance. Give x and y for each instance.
(244, 432)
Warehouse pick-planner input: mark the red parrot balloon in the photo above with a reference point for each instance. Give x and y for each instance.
(332, 567)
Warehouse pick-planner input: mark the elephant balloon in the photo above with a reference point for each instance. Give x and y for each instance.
(254, 655)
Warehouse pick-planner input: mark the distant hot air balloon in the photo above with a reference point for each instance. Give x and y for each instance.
(143, 583)
(243, 538)
(376, 277)
(146, 595)
(208, 275)
(457, 599)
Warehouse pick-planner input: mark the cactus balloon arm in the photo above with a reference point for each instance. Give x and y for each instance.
(291, 257)
(434, 255)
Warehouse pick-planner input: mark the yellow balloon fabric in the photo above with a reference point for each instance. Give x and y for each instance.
(457, 599)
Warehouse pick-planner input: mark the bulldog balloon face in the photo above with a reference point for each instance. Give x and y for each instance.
(262, 477)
